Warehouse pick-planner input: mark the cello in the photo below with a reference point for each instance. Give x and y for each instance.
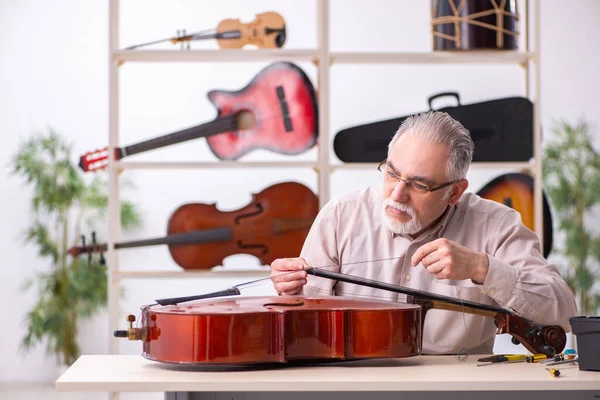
(218, 329)
(274, 223)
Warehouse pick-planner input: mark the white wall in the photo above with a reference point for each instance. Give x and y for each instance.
(53, 72)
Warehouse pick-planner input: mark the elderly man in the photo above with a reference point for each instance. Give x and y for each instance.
(421, 230)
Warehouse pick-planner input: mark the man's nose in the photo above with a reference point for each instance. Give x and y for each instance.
(400, 192)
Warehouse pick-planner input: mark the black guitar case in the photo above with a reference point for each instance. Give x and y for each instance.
(502, 130)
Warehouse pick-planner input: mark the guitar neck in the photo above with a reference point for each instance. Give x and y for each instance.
(209, 235)
(219, 125)
(425, 299)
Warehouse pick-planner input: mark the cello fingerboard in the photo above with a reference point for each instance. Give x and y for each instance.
(426, 299)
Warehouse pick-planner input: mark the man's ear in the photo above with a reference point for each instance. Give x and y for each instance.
(457, 190)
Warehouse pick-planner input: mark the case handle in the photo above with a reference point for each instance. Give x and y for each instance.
(437, 96)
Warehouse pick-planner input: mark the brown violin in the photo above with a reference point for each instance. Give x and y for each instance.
(267, 30)
(286, 329)
(273, 224)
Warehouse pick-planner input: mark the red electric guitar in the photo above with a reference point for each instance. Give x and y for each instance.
(276, 111)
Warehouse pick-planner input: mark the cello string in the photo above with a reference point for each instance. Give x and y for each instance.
(253, 282)
(259, 281)
(463, 354)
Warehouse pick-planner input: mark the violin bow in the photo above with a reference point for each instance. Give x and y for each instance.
(549, 340)
(185, 37)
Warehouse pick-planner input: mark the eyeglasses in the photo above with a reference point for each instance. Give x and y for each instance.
(417, 186)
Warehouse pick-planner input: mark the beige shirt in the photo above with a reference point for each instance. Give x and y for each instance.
(349, 236)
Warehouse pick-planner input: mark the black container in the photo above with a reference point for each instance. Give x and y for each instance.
(587, 330)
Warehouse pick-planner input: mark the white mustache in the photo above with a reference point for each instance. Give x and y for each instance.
(399, 206)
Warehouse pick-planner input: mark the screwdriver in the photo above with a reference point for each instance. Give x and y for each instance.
(503, 357)
(558, 357)
(554, 372)
(535, 358)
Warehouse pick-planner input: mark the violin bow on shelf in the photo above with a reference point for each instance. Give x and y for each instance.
(182, 37)
(549, 340)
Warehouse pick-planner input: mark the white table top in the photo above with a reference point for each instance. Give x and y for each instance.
(133, 373)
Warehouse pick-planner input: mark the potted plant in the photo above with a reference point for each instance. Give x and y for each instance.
(62, 205)
(571, 170)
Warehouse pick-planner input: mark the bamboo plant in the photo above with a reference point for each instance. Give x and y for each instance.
(571, 170)
(62, 205)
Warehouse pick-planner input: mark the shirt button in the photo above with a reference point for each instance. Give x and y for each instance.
(407, 277)
(492, 292)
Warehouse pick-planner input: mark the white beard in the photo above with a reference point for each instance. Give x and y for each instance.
(413, 225)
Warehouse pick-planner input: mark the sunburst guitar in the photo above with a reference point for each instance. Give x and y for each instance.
(516, 190)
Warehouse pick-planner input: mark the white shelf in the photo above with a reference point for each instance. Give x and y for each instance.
(288, 164)
(490, 165)
(209, 164)
(221, 55)
(234, 55)
(323, 58)
(220, 273)
(437, 57)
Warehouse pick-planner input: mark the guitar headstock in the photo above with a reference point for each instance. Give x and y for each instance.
(95, 160)
(76, 251)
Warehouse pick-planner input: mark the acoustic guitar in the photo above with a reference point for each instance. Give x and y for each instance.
(276, 111)
(515, 190)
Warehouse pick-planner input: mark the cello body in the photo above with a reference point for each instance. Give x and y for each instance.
(273, 329)
(273, 225)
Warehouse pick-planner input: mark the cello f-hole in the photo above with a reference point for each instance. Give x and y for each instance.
(239, 217)
(264, 248)
(300, 303)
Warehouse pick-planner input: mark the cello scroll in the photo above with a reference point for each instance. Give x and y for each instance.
(548, 340)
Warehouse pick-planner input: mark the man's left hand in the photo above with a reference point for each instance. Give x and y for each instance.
(446, 259)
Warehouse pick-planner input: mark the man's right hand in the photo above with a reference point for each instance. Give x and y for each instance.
(286, 283)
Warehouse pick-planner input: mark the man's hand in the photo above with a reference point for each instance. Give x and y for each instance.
(446, 259)
(287, 283)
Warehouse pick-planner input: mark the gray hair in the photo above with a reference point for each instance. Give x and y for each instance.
(439, 127)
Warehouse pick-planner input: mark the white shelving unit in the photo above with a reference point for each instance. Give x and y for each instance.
(323, 58)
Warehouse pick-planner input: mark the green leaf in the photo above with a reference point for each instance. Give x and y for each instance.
(571, 170)
(71, 288)
(39, 235)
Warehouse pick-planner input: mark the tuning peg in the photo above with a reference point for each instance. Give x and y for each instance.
(533, 331)
(83, 241)
(94, 237)
(102, 259)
